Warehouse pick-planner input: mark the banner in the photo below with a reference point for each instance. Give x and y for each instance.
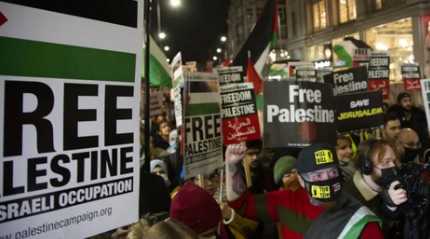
(361, 57)
(425, 92)
(204, 147)
(228, 75)
(177, 88)
(156, 102)
(239, 113)
(69, 117)
(359, 111)
(348, 81)
(379, 73)
(411, 76)
(306, 73)
(297, 114)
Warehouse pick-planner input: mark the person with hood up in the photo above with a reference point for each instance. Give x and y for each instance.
(194, 213)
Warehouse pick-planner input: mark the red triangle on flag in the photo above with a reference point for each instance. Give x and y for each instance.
(3, 19)
(252, 76)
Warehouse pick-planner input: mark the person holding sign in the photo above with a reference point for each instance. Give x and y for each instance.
(320, 203)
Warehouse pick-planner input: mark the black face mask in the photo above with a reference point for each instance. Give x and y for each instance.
(325, 191)
(388, 175)
(410, 154)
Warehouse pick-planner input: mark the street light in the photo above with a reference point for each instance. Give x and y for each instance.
(175, 3)
(223, 39)
(166, 48)
(215, 58)
(218, 50)
(162, 35)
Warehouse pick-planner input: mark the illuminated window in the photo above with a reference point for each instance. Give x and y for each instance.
(378, 4)
(319, 15)
(396, 38)
(347, 10)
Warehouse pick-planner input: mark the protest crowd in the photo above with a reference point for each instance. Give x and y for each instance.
(365, 181)
(292, 151)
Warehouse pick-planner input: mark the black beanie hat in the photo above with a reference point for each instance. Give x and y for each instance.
(403, 95)
(315, 157)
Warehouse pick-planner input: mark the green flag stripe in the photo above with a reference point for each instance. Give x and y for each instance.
(295, 221)
(158, 75)
(261, 208)
(41, 59)
(202, 109)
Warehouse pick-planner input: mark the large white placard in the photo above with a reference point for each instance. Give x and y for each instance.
(69, 117)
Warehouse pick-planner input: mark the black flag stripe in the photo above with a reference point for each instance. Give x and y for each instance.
(122, 12)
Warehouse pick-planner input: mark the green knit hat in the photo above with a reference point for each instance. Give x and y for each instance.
(283, 166)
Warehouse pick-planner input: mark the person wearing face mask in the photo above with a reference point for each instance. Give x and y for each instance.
(410, 145)
(318, 209)
(158, 167)
(173, 138)
(345, 156)
(374, 184)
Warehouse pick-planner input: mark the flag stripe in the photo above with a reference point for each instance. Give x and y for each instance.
(122, 12)
(202, 109)
(40, 59)
(158, 76)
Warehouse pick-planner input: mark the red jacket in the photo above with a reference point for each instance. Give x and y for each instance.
(292, 209)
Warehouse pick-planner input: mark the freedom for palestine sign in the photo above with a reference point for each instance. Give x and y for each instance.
(69, 143)
(297, 114)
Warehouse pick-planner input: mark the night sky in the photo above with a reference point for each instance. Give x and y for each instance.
(194, 28)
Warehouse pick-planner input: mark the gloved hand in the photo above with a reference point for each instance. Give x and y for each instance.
(394, 197)
(397, 196)
(235, 153)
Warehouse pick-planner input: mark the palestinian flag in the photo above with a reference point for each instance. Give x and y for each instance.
(159, 70)
(345, 51)
(3, 19)
(262, 38)
(253, 77)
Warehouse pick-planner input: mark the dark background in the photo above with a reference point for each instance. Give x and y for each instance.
(194, 28)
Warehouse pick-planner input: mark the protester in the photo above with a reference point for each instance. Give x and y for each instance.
(161, 139)
(372, 185)
(392, 127)
(345, 156)
(285, 174)
(169, 229)
(173, 141)
(411, 116)
(250, 164)
(159, 167)
(154, 196)
(410, 145)
(238, 227)
(320, 204)
(193, 211)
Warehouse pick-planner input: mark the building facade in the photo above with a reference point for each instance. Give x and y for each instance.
(401, 27)
(242, 17)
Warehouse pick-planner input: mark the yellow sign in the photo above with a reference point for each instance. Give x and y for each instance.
(323, 156)
(320, 191)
